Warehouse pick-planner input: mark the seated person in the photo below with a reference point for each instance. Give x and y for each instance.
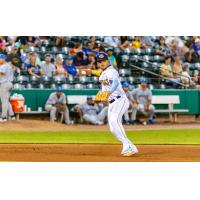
(56, 104)
(91, 112)
(143, 101)
(161, 47)
(111, 57)
(70, 67)
(186, 78)
(47, 68)
(166, 71)
(80, 60)
(59, 68)
(33, 68)
(129, 119)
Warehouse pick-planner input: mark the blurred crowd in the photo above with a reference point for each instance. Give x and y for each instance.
(67, 56)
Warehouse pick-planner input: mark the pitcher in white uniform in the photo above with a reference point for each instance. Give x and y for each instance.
(118, 103)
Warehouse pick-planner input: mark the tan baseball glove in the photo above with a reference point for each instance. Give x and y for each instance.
(102, 96)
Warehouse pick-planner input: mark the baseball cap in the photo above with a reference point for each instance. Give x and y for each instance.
(125, 84)
(109, 49)
(102, 56)
(3, 56)
(58, 88)
(197, 40)
(143, 80)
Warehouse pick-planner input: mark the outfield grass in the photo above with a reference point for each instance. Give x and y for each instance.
(90, 137)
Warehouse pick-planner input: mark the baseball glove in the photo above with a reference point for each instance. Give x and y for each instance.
(102, 96)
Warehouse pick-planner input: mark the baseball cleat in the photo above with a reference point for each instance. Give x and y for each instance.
(130, 151)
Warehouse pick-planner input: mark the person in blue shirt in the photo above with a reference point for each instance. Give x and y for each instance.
(111, 57)
(70, 67)
(196, 45)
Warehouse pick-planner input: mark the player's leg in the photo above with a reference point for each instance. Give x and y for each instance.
(93, 119)
(103, 114)
(141, 109)
(10, 112)
(66, 116)
(126, 117)
(5, 94)
(151, 113)
(115, 113)
(52, 110)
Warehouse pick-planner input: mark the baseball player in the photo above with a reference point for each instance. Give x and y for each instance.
(143, 101)
(92, 112)
(6, 78)
(118, 102)
(56, 103)
(131, 110)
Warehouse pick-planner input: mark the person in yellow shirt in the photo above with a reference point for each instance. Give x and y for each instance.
(136, 42)
(166, 69)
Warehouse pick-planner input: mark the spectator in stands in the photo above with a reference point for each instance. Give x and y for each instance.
(60, 41)
(70, 67)
(91, 112)
(196, 46)
(15, 57)
(33, 68)
(143, 102)
(90, 46)
(192, 56)
(111, 57)
(161, 48)
(186, 78)
(47, 68)
(80, 60)
(59, 68)
(56, 104)
(28, 41)
(136, 44)
(177, 67)
(78, 47)
(112, 41)
(92, 64)
(129, 119)
(145, 42)
(124, 43)
(166, 71)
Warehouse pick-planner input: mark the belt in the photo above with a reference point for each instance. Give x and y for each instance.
(113, 100)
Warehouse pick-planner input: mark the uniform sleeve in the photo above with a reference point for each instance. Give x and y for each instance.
(51, 100)
(3, 70)
(113, 78)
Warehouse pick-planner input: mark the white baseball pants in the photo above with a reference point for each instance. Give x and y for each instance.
(115, 112)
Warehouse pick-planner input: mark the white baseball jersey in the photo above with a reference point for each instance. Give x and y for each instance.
(106, 79)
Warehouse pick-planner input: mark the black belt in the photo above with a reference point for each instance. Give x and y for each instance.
(113, 100)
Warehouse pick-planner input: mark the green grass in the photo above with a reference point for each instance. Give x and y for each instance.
(138, 137)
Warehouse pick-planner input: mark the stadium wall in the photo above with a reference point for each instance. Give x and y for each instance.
(189, 99)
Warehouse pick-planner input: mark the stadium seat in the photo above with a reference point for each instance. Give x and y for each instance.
(67, 86)
(70, 79)
(65, 50)
(41, 86)
(18, 86)
(34, 80)
(43, 50)
(131, 80)
(124, 72)
(79, 86)
(162, 86)
(53, 86)
(83, 79)
(149, 51)
(59, 80)
(158, 58)
(95, 79)
(22, 79)
(46, 79)
(123, 79)
(91, 86)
